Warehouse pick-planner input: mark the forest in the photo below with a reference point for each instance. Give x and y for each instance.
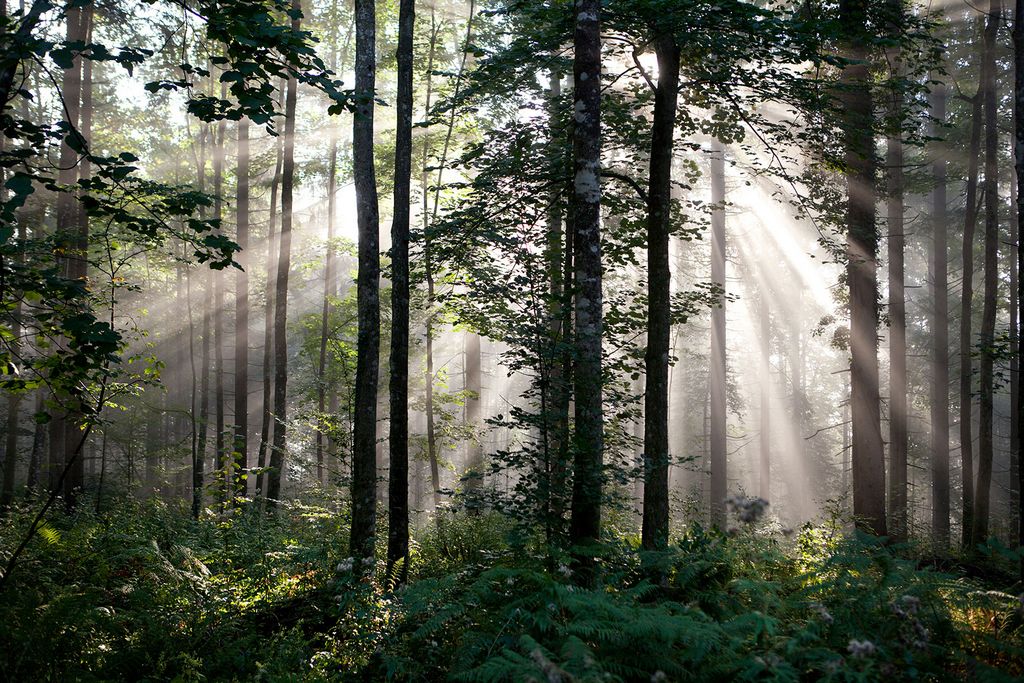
(511, 340)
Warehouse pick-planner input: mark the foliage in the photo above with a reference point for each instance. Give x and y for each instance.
(143, 591)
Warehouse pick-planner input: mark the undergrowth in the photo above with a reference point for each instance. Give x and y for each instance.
(143, 592)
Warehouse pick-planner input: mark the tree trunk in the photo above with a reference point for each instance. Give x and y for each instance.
(862, 246)
(897, 304)
(654, 534)
(986, 445)
(585, 521)
(326, 309)
(764, 489)
(556, 401)
(940, 334)
(201, 421)
(718, 377)
(364, 459)
(1019, 177)
(398, 434)
(266, 423)
(222, 464)
(966, 313)
(241, 444)
(71, 260)
(1014, 368)
(277, 451)
(473, 384)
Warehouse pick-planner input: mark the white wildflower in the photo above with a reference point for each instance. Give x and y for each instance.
(860, 648)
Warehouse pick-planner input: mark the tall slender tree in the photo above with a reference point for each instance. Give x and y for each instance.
(868, 460)
(939, 407)
(364, 459)
(966, 315)
(717, 376)
(585, 521)
(898, 443)
(1018, 39)
(240, 447)
(659, 284)
(279, 443)
(398, 434)
(269, 308)
(62, 424)
(986, 441)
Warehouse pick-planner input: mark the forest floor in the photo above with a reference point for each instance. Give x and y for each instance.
(144, 592)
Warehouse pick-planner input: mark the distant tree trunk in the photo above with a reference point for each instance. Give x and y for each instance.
(326, 309)
(71, 261)
(428, 263)
(897, 298)
(38, 445)
(221, 462)
(1018, 165)
(266, 423)
(659, 285)
(718, 376)
(966, 313)
(556, 404)
(13, 398)
(428, 372)
(277, 451)
(364, 458)
(474, 449)
(398, 435)
(241, 445)
(585, 521)
(862, 247)
(940, 334)
(986, 445)
(1014, 367)
(203, 418)
(764, 489)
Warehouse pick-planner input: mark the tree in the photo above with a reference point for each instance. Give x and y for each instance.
(1018, 37)
(278, 449)
(398, 435)
(585, 522)
(986, 445)
(659, 284)
(897, 296)
(939, 405)
(717, 376)
(364, 462)
(240, 448)
(861, 251)
(966, 313)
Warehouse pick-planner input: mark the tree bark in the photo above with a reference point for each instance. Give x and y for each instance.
(939, 409)
(1018, 37)
(868, 459)
(474, 449)
(897, 300)
(222, 464)
(718, 377)
(68, 224)
(966, 313)
(398, 430)
(764, 489)
(266, 423)
(364, 460)
(986, 442)
(279, 443)
(659, 285)
(585, 521)
(241, 444)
